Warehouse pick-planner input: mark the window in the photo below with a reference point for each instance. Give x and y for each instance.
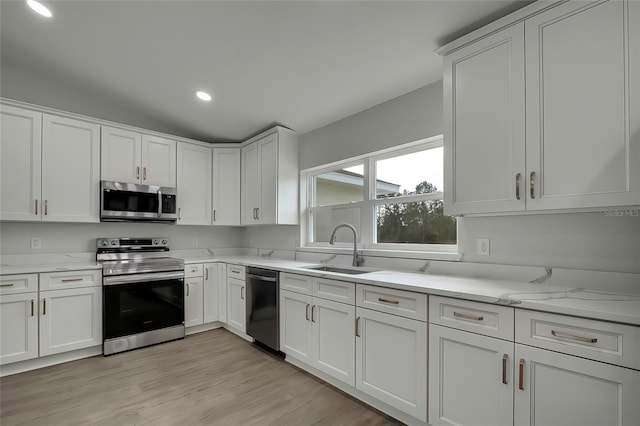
(393, 198)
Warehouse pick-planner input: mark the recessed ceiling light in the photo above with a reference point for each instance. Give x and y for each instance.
(39, 8)
(203, 95)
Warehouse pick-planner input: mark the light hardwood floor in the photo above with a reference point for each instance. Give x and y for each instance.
(211, 378)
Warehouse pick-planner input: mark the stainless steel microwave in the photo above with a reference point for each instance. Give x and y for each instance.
(121, 201)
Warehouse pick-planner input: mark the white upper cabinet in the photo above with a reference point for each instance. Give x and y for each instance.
(131, 157)
(226, 186)
(194, 184)
(484, 140)
(555, 128)
(70, 170)
(20, 163)
(269, 184)
(50, 167)
(583, 80)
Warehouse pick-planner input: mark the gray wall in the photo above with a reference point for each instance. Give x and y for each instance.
(590, 241)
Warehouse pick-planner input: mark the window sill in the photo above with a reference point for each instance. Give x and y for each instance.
(400, 254)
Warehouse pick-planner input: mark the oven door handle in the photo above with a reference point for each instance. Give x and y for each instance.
(135, 278)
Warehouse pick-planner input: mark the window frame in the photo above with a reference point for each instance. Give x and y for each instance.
(369, 205)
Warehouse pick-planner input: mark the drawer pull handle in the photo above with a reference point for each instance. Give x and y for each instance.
(521, 375)
(306, 312)
(574, 337)
(392, 302)
(358, 327)
(71, 280)
(467, 316)
(505, 357)
(6, 285)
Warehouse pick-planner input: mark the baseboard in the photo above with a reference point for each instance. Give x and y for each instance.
(46, 361)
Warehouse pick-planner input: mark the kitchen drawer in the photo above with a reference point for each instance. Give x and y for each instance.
(236, 271)
(339, 291)
(297, 283)
(70, 279)
(397, 302)
(614, 343)
(14, 284)
(193, 270)
(476, 317)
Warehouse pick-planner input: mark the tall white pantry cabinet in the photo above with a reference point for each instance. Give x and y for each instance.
(544, 114)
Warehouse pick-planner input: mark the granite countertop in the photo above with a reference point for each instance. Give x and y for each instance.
(555, 298)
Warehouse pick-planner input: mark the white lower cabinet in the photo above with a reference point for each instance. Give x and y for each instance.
(18, 327)
(236, 305)
(470, 378)
(214, 292)
(391, 360)
(319, 333)
(70, 319)
(193, 302)
(560, 389)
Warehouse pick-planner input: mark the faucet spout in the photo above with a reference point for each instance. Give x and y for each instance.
(358, 259)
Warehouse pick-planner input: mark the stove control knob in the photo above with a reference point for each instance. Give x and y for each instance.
(156, 242)
(103, 243)
(164, 242)
(114, 242)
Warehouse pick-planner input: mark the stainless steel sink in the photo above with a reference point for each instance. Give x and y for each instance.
(337, 270)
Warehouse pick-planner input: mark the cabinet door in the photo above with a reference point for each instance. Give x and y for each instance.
(226, 186)
(18, 327)
(250, 183)
(194, 184)
(222, 292)
(485, 129)
(236, 307)
(70, 170)
(20, 144)
(70, 319)
(295, 326)
(210, 292)
(470, 379)
(193, 302)
(268, 158)
(391, 360)
(583, 82)
(334, 341)
(559, 389)
(120, 155)
(159, 161)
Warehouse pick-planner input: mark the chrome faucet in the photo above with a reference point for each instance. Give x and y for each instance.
(357, 258)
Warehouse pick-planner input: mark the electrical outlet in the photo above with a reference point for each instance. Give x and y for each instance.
(195, 241)
(483, 246)
(36, 242)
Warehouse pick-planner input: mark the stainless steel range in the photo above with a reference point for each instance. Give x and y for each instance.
(143, 293)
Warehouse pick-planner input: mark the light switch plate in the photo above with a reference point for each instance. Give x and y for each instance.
(483, 246)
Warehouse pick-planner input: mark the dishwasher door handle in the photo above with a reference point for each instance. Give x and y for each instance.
(261, 278)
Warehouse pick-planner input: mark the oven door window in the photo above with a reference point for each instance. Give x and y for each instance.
(134, 308)
(128, 201)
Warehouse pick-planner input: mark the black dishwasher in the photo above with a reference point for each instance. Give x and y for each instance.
(262, 307)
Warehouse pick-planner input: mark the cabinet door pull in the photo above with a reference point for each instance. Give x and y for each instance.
(214, 215)
(358, 327)
(44, 307)
(6, 285)
(532, 179)
(312, 310)
(46, 207)
(518, 186)
(306, 311)
(242, 295)
(521, 374)
(206, 273)
(144, 173)
(574, 337)
(36, 207)
(187, 284)
(505, 357)
(391, 302)
(138, 172)
(32, 302)
(179, 213)
(71, 280)
(258, 213)
(467, 316)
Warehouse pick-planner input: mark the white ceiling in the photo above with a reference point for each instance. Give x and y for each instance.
(301, 64)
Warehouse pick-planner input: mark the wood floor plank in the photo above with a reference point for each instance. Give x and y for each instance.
(211, 378)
